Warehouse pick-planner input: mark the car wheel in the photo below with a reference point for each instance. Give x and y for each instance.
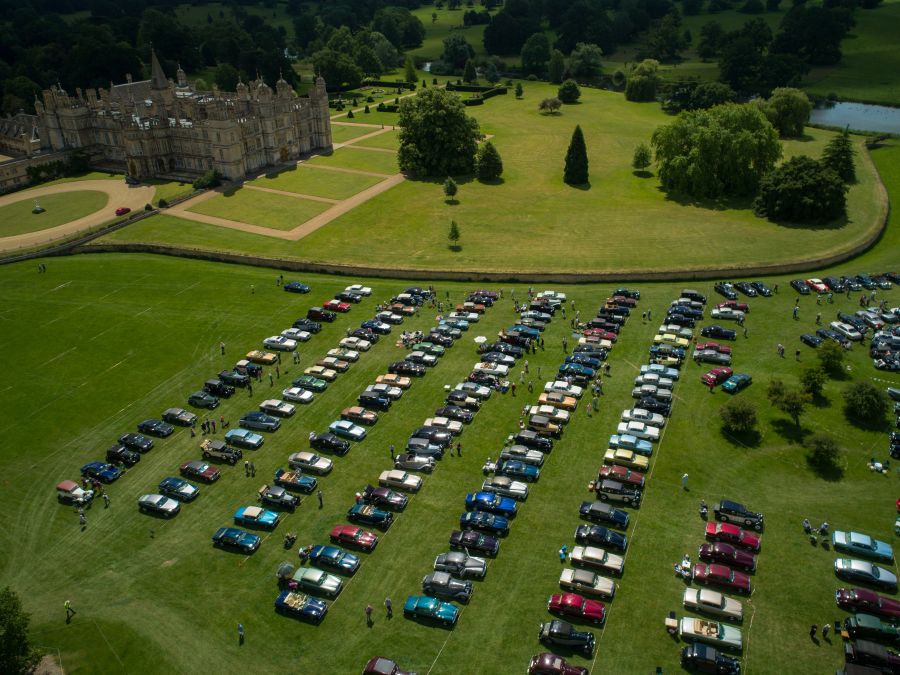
(143, 509)
(720, 517)
(603, 497)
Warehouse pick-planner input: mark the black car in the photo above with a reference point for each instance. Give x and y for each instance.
(532, 439)
(472, 541)
(811, 340)
(746, 288)
(308, 325)
(597, 535)
(866, 281)
(320, 314)
(385, 498)
(834, 284)
(611, 317)
(682, 320)
(503, 348)
(348, 296)
(372, 401)
(484, 379)
(734, 512)
(614, 491)
(716, 331)
(439, 339)
(725, 288)
(407, 368)
(218, 388)
(829, 334)
(119, 454)
(435, 435)
(442, 585)
(232, 379)
(592, 352)
(495, 357)
(156, 428)
(296, 287)
(558, 633)
(454, 412)
(654, 405)
(328, 442)
(601, 512)
(700, 658)
(614, 310)
(762, 289)
(602, 324)
(273, 495)
(854, 321)
(800, 286)
(686, 310)
(628, 293)
(364, 334)
(464, 399)
(137, 442)
(203, 399)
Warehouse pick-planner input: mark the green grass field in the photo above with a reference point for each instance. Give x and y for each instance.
(309, 181)
(157, 323)
(448, 22)
(17, 218)
(342, 134)
(261, 208)
(388, 141)
(169, 190)
(349, 157)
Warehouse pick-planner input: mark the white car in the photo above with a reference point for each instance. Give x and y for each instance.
(645, 416)
(453, 426)
(296, 334)
(587, 583)
(497, 369)
(298, 395)
(322, 373)
(664, 371)
(356, 343)
(653, 378)
(334, 363)
(471, 317)
(395, 478)
(552, 295)
(389, 317)
(502, 359)
(475, 390)
(429, 360)
(277, 407)
(638, 429)
(359, 288)
(380, 326)
(680, 331)
(597, 558)
(347, 429)
(311, 462)
(713, 603)
(393, 393)
(523, 454)
(727, 313)
(557, 415)
(565, 388)
(503, 485)
(687, 302)
(280, 343)
(846, 330)
(344, 354)
(595, 341)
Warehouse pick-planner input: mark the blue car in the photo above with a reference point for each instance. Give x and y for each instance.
(432, 609)
(260, 421)
(461, 324)
(486, 522)
(178, 488)
(232, 537)
(533, 333)
(296, 287)
(244, 438)
(334, 558)
(255, 516)
(598, 511)
(584, 360)
(105, 473)
(513, 468)
(597, 535)
(736, 382)
(301, 606)
(576, 370)
(368, 514)
(295, 480)
(629, 442)
(862, 544)
(492, 503)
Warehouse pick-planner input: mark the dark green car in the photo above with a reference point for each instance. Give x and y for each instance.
(310, 383)
(201, 399)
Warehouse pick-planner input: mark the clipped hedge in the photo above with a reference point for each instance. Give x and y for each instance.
(388, 107)
(394, 85)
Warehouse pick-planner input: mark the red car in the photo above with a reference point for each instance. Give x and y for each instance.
(572, 604)
(721, 575)
(734, 304)
(722, 349)
(817, 285)
(726, 553)
(551, 664)
(621, 474)
(122, 210)
(716, 376)
(622, 301)
(200, 471)
(732, 534)
(350, 535)
(600, 333)
(337, 306)
(869, 602)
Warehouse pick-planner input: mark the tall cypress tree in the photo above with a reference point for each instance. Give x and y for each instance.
(576, 172)
(838, 156)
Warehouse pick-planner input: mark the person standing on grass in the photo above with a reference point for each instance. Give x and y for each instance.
(222, 348)
(105, 500)
(69, 611)
(368, 615)
(565, 344)
(812, 631)
(684, 482)
(240, 633)
(389, 608)
(321, 499)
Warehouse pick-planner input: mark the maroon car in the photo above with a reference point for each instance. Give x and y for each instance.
(574, 605)
(715, 346)
(383, 666)
(728, 554)
(734, 304)
(551, 664)
(621, 474)
(716, 376)
(734, 535)
(356, 537)
(713, 574)
(385, 498)
(200, 471)
(869, 602)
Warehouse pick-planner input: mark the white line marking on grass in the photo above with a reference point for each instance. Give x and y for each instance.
(60, 286)
(103, 635)
(60, 355)
(187, 288)
(144, 311)
(103, 332)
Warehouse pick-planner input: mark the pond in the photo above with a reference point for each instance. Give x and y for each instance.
(859, 117)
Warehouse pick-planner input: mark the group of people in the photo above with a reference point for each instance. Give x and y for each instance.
(811, 531)
(409, 338)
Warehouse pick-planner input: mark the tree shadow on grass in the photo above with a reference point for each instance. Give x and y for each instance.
(584, 187)
(723, 204)
(820, 401)
(456, 248)
(493, 181)
(840, 375)
(881, 425)
(231, 190)
(836, 224)
(790, 431)
(826, 471)
(642, 174)
(451, 201)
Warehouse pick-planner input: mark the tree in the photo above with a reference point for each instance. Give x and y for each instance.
(576, 170)
(519, 90)
(437, 137)
(569, 92)
(691, 7)
(409, 69)
(550, 105)
(470, 75)
(450, 188)
(814, 33)
(585, 60)
(456, 51)
(226, 77)
(712, 36)
(775, 390)
(368, 61)
(338, 69)
(813, 380)
(801, 190)
(491, 73)
(453, 235)
(665, 39)
(788, 110)
(823, 453)
(16, 653)
(488, 165)
(793, 403)
(709, 94)
(866, 403)
(399, 26)
(584, 21)
(556, 70)
(535, 54)
(642, 157)
(838, 156)
(644, 81)
(831, 357)
(738, 416)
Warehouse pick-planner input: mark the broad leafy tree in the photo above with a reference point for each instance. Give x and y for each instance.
(838, 156)
(16, 653)
(643, 82)
(712, 38)
(337, 68)
(802, 190)
(488, 164)
(576, 169)
(585, 21)
(456, 51)
(788, 110)
(569, 92)
(665, 40)
(864, 402)
(535, 54)
(831, 357)
(437, 137)
(409, 70)
(585, 60)
(450, 188)
(550, 105)
(556, 69)
(642, 157)
(738, 416)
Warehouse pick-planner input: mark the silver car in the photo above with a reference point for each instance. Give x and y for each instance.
(154, 503)
(412, 462)
(523, 454)
(503, 485)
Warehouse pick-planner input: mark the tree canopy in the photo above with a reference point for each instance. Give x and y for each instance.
(535, 54)
(576, 169)
(488, 165)
(788, 110)
(456, 51)
(838, 156)
(802, 190)
(16, 653)
(437, 137)
(585, 60)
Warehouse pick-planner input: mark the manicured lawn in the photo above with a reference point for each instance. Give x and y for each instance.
(17, 218)
(349, 157)
(389, 140)
(89, 175)
(158, 322)
(449, 22)
(341, 134)
(261, 208)
(169, 190)
(310, 181)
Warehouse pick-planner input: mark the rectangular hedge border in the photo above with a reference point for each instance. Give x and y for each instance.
(394, 85)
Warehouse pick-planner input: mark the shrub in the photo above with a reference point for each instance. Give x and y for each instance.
(752, 7)
(801, 190)
(350, 115)
(210, 179)
(642, 157)
(488, 164)
(831, 357)
(788, 110)
(370, 99)
(644, 82)
(618, 78)
(366, 110)
(519, 90)
(450, 188)
(823, 453)
(738, 416)
(148, 206)
(532, 78)
(163, 204)
(864, 402)
(569, 92)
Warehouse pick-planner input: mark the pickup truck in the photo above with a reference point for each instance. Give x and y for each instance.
(278, 496)
(301, 606)
(293, 479)
(214, 449)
